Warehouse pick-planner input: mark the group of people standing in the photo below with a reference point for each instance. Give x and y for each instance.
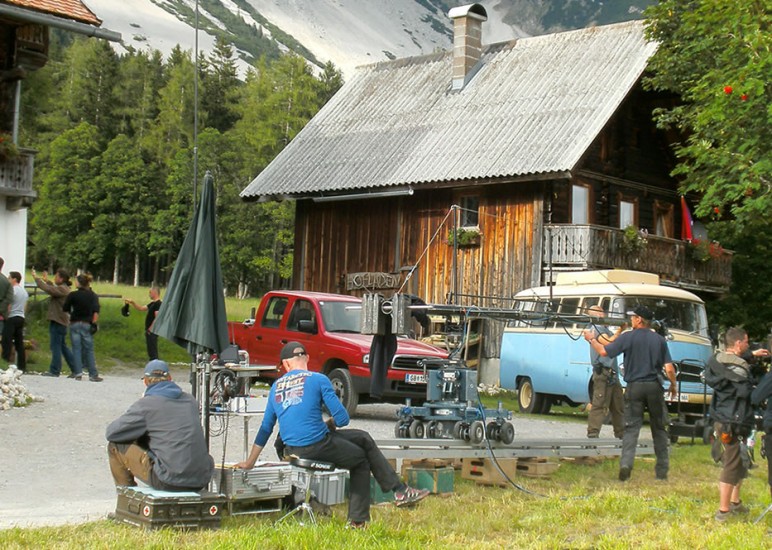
(78, 311)
(737, 393)
(13, 307)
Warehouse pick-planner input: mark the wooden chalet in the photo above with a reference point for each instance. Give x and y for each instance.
(537, 153)
(24, 38)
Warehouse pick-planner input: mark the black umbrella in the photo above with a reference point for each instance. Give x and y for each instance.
(193, 311)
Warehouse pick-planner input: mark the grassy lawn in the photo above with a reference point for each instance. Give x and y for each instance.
(120, 341)
(579, 506)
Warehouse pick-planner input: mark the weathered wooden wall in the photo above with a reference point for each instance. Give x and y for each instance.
(393, 234)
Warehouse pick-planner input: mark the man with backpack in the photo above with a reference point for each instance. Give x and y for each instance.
(732, 413)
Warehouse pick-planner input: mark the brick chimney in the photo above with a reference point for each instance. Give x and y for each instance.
(467, 41)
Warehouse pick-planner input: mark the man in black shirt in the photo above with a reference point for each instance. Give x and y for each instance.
(151, 340)
(646, 354)
(83, 307)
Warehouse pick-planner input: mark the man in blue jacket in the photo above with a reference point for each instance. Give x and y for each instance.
(159, 439)
(296, 400)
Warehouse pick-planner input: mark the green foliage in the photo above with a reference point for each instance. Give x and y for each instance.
(716, 56)
(748, 302)
(116, 161)
(633, 240)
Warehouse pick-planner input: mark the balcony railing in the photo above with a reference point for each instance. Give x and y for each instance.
(16, 179)
(580, 247)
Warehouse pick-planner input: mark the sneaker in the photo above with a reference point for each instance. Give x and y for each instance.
(95, 378)
(75, 376)
(409, 496)
(624, 473)
(49, 373)
(722, 517)
(356, 525)
(738, 508)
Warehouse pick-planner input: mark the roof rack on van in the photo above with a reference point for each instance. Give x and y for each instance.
(602, 276)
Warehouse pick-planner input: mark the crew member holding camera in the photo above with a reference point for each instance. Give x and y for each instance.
(730, 408)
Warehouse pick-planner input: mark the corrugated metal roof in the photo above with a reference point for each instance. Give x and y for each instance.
(69, 9)
(534, 106)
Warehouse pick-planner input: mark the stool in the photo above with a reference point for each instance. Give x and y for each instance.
(310, 467)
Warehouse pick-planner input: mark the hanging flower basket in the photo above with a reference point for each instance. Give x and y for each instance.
(464, 237)
(633, 241)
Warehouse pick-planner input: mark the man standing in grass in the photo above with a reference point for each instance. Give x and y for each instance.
(151, 339)
(607, 394)
(732, 413)
(646, 355)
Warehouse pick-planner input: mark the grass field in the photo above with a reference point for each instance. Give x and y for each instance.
(120, 341)
(578, 506)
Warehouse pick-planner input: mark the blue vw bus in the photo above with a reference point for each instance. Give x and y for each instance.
(547, 361)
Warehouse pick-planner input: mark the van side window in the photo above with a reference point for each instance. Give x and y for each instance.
(274, 312)
(568, 306)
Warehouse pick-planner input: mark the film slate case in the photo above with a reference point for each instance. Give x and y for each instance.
(153, 509)
(267, 480)
(328, 487)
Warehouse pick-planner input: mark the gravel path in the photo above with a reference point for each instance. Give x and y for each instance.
(54, 459)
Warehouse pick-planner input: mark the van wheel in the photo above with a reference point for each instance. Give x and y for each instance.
(530, 402)
(344, 389)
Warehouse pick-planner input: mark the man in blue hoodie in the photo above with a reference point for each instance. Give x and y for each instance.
(159, 439)
(296, 400)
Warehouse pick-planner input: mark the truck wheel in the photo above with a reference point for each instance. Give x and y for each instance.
(344, 389)
(529, 401)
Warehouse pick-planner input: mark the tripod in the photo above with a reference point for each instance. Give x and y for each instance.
(309, 468)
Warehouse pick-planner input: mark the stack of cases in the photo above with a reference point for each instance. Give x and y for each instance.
(328, 487)
(152, 509)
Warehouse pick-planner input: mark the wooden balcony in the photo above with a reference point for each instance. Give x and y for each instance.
(16, 180)
(582, 247)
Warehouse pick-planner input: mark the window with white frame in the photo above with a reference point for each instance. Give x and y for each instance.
(580, 204)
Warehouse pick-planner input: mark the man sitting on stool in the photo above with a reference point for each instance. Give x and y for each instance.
(296, 401)
(159, 439)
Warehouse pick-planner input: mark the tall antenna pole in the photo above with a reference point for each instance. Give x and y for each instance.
(195, 118)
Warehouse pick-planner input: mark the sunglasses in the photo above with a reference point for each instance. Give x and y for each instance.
(299, 354)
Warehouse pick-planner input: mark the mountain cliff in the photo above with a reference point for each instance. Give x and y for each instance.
(346, 32)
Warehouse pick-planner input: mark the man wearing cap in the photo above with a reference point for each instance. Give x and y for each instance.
(159, 439)
(296, 401)
(646, 354)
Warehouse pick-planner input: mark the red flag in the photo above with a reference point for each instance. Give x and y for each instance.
(686, 221)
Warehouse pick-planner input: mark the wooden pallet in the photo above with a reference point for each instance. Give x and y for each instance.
(536, 467)
(484, 471)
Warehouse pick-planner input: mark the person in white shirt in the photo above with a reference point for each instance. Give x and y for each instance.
(13, 331)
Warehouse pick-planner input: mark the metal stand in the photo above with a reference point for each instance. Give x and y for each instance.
(764, 513)
(305, 506)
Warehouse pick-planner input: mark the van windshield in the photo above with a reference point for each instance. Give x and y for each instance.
(675, 314)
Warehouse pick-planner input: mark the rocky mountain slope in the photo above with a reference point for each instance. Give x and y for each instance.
(347, 32)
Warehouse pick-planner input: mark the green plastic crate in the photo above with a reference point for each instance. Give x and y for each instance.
(437, 480)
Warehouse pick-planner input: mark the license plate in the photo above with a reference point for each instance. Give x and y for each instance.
(681, 397)
(415, 378)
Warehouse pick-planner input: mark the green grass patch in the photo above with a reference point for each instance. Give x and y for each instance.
(579, 506)
(120, 341)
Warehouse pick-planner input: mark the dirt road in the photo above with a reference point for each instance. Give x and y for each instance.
(53, 467)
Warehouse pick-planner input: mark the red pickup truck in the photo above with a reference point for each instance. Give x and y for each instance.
(328, 326)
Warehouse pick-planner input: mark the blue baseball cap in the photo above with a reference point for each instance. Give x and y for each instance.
(157, 368)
